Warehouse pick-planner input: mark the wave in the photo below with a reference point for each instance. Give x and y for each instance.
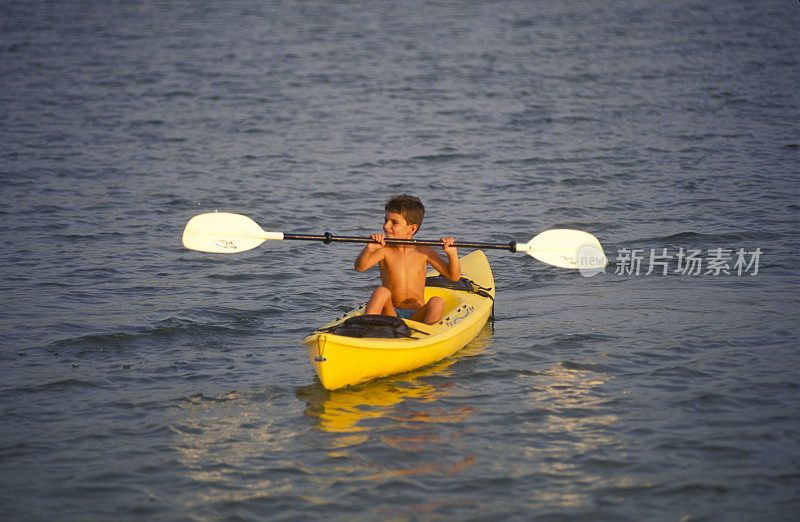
(428, 158)
(534, 160)
(691, 238)
(220, 323)
(587, 367)
(573, 340)
(57, 385)
(582, 181)
(446, 157)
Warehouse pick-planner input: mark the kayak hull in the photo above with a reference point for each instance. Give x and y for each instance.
(341, 361)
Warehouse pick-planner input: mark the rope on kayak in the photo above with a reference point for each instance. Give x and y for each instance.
(321, 348)
(464, 284)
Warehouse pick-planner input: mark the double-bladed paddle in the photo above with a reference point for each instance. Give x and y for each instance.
(227, 233)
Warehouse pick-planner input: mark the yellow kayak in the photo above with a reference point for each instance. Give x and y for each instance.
(357, 348)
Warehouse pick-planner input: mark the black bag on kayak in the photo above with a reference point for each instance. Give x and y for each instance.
(379, 326)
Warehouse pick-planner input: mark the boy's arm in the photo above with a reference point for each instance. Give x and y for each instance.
(451, 268)
(371, 254)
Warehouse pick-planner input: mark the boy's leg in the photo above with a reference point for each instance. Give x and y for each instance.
(431, 313)
(380, 302)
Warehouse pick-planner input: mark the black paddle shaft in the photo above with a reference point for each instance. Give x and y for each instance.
(330, 238)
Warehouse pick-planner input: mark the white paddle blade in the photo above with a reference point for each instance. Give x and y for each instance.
(567, 249)
(224, 233)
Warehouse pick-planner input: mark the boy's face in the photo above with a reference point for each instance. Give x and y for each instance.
(396, 227)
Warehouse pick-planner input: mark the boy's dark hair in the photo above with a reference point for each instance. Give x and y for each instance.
(409, 207)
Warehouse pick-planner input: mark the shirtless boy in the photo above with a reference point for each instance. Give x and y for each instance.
(403, 267)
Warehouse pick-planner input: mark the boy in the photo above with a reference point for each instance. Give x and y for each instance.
(403, 267)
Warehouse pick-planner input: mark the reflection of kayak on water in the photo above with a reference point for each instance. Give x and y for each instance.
(357, 348)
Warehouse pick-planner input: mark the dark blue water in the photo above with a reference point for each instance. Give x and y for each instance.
(143, 380)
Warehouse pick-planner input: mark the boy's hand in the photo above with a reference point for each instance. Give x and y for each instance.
(371, 253)
(447, 246)
(380, 241)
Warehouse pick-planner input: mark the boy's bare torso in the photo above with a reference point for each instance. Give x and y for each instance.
(403, 270)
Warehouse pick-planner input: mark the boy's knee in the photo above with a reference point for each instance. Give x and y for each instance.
(382, 291)
(436, 303)
(434, 309)
(382, 294)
